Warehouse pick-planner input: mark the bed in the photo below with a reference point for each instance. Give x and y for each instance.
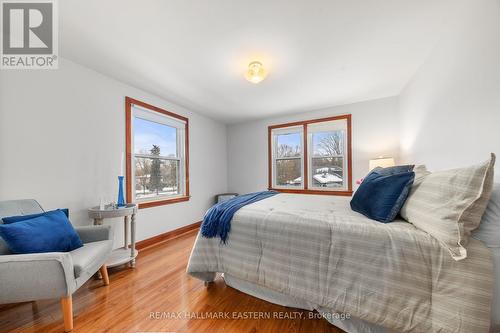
(314, 252)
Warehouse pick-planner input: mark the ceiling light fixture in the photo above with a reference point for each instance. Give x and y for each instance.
(255, 72)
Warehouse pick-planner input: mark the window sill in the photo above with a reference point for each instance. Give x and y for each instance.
(323, 192)
(149, 204)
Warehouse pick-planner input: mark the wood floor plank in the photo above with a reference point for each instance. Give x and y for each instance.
(159, 283)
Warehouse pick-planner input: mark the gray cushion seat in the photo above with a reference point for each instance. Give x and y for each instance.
(88, 258)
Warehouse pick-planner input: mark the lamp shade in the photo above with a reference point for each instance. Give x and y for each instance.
(382, 162)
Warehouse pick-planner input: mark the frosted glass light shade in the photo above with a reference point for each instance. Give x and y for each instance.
(255, 72)
(382, 162)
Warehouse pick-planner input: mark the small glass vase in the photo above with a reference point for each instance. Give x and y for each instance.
(121, 199)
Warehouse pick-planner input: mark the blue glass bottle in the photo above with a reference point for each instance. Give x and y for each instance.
(121, 199)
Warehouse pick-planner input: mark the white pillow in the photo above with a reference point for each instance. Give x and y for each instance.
(489, 229)
(448, 205)
(420, 172)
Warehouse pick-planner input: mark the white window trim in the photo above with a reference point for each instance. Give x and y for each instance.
(311, 155)
(179, 125)
(284, 131)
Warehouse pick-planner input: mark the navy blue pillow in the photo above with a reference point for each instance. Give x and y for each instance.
(381, 196)
(50, 232)
(12, 219)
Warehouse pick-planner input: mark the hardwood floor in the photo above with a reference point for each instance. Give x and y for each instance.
(136, 298)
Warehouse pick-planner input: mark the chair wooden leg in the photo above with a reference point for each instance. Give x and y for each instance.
(104, 274)
(67, 311)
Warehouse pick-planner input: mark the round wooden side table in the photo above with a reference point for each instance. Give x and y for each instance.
(122, 255)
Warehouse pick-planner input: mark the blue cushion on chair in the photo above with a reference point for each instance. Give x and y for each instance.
(12, 219)
(382, 194)
(50, 232)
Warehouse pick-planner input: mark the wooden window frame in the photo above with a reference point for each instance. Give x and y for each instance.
(129, 102)
(305, 176)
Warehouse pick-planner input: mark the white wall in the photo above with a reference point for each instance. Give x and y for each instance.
(450, 111)
(62, 133)
(375, 131)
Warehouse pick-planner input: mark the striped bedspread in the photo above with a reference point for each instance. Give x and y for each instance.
(316, 248)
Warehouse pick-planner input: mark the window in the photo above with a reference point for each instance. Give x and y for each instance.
(157, 155)
(288, 157)
(311, 156)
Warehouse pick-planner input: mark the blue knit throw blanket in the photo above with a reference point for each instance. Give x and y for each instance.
(217, 220)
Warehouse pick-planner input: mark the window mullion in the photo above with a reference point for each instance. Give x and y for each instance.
(305, 158)
(288, 158)
(155, 157)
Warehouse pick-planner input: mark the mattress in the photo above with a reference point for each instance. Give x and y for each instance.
(318, 250)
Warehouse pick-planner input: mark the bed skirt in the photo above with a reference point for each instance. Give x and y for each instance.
(351, 325)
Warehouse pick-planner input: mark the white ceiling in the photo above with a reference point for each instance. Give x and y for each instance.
(194, 53)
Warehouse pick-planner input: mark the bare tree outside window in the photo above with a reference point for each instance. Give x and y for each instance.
(142, 173)
(285, 150)
(288, 170)
(169, 174)
(288, 166)
(331, 145)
